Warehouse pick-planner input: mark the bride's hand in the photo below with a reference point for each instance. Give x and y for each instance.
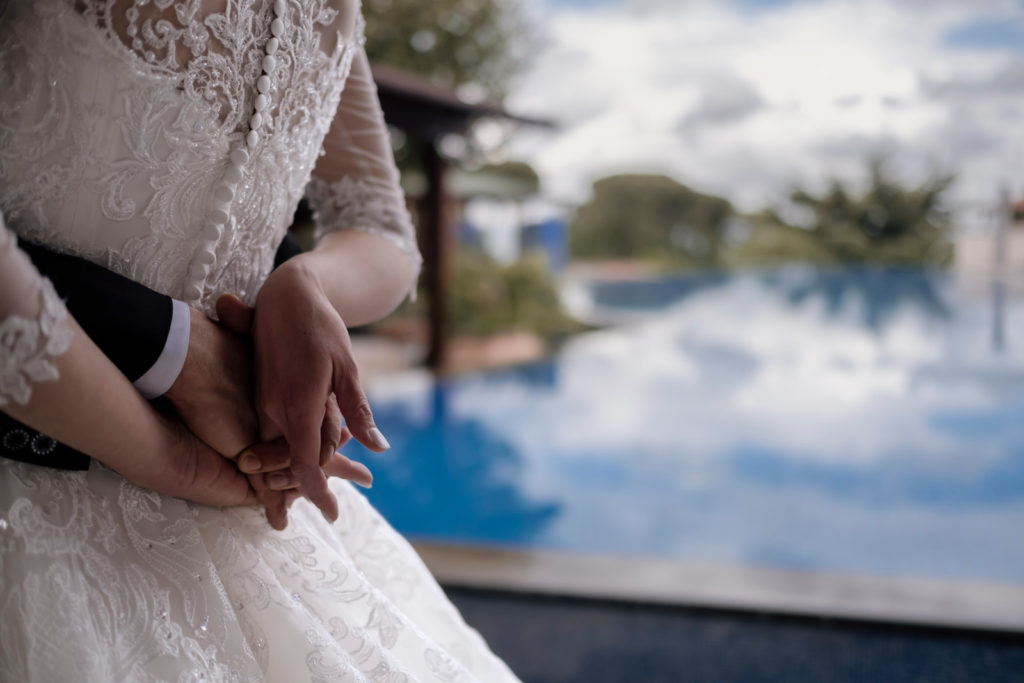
(213, 397)
(302, 353)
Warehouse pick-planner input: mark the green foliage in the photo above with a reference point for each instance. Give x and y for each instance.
(771, 241)
(454, 43)
(649, 217)
(487, 297)
(520, 171)
(887, 223)
(656, 219)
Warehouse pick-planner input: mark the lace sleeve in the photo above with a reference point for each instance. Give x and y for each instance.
(355, 184)
(33, 324)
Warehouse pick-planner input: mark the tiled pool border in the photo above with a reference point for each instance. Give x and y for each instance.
(926, 602)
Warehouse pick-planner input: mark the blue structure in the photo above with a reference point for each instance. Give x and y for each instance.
(550, 237)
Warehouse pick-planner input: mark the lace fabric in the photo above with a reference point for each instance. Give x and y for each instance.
(33, 324)
(352, 189)
(117, 122)
(119, 117)
(109, 582)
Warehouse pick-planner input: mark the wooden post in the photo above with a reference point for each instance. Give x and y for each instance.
(437, 249)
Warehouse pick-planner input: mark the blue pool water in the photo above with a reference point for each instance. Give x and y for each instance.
(865, 421)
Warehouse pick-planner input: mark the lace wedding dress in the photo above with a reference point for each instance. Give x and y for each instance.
(170, 141)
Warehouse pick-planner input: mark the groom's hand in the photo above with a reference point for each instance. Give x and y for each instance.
(213, 391)
(213, 397)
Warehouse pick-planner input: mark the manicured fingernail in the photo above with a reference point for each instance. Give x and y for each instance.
(249, 463)
(277, 480)
(378, 439)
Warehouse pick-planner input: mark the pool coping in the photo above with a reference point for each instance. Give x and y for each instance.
(911, 601)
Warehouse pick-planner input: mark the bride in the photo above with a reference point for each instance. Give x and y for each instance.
(169, 141)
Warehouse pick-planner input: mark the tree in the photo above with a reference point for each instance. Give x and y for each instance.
(649, 216)
(487, 297)
(888, 222)
(468, 45)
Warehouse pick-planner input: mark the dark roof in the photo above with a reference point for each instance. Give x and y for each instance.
(416, 105)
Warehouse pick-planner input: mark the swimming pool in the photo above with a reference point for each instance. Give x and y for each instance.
(862, 421)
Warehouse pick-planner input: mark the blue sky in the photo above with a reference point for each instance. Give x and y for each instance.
(989, 33)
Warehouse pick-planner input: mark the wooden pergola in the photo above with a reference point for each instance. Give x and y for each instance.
(425, 113)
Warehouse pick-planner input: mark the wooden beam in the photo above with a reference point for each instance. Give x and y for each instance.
(437, 254)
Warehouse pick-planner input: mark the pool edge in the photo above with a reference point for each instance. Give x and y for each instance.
(913, 601)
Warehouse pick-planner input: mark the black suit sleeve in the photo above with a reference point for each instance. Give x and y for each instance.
(127, 321)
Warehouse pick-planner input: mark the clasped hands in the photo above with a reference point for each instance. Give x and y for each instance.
(268, 388)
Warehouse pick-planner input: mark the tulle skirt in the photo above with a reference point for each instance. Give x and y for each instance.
(103, 581)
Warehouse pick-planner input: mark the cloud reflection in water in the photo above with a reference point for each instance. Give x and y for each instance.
(857, 421)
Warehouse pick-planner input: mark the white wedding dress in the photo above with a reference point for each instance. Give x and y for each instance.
(170, 141)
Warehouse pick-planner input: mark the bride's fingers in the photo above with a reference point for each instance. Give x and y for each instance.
(337, 465)
(330, 430)
(302, 432)
(356, 409)
(273, 502)
(340, 466)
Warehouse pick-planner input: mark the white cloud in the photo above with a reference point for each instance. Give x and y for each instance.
(640, 434)
(796, 93)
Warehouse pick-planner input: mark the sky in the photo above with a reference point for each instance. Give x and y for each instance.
(745, 98)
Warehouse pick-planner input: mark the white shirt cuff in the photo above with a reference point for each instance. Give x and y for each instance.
(159, 378)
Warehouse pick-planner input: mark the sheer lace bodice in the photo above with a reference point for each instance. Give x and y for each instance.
(120, 118)
(170, 140)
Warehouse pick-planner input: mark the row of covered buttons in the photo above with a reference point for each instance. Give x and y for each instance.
(224, 193)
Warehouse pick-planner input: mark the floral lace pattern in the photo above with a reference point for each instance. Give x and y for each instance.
(355, 204)
(119, 116)
(106, 581)
(29, 345)
(117, 119)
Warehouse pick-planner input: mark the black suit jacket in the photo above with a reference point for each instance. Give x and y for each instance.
(127, 321)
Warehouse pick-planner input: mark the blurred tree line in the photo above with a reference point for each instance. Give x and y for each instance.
(658, 219)
(649, 217)
(487, 297)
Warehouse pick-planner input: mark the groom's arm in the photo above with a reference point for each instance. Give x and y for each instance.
(144, 333)
(129, 322)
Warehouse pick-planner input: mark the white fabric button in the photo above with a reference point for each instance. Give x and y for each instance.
(198, 270)
(193, 292)
(261, 102)
(277, 27)
(233, 174)
(239, 157)
(217, 216)
(252, 139)
(256, 121)
(223, 193)
(272, 46)
(211, 233)
(263, 83)
(279, 7)
(206, 256)
(269, 64)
